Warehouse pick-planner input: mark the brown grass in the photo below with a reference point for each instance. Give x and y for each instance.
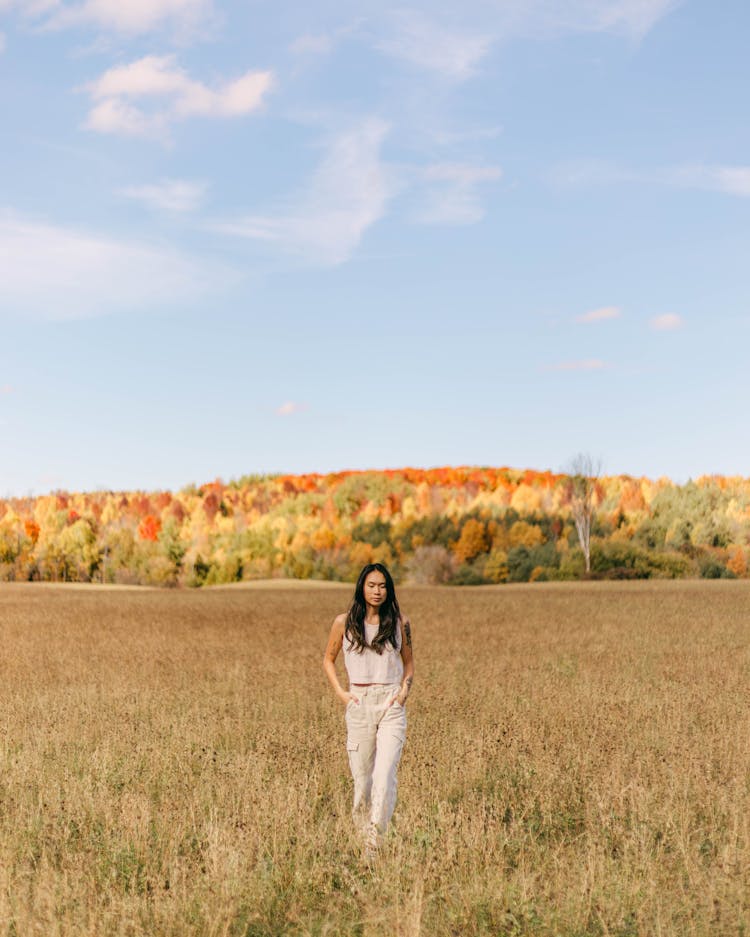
(578, 763)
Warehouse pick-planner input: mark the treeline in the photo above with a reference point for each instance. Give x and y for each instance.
(461, 526)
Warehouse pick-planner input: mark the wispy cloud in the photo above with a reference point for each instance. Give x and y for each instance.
(6, 389)
(589, 364)
(347, 194)
(51, 271)
(636, 17)
(449, 137)
(29, 8)
(731, 180)
(583, 173)
(320, 44)
(667, 322)
(171, 195)
(415, 36)
(159, 79)
(412, 34)
(452, 194)
(632, 17)
(290, 407)
(421, 41)
(599, 315)
(126, 17)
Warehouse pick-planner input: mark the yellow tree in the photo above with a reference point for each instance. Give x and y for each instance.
(472, 542)
(737, 562)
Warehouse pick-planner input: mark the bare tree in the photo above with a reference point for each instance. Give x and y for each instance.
(583, 476)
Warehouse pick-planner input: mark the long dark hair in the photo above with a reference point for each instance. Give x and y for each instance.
(390, 613)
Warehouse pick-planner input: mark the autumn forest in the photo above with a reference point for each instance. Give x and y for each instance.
(460, 526)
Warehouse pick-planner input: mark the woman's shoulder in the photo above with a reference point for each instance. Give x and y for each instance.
(340, 621)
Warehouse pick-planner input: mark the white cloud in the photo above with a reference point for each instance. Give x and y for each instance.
(599, 315)
(172, 195)
(667, 322)
(348, 193)
(732, 180)
(151, 76)
(290, 407)
(53, 272)
(115, 116)
(589, 364)
(160, 79)
(130, 17)
(233, 99)
(422, 42)
(452, 193)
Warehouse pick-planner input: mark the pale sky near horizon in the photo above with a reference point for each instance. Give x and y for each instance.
(242, 237)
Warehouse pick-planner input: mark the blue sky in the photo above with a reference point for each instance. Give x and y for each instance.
(249, 236)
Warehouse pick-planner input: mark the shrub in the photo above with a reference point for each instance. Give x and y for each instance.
(300, 565)
(372, 532)
(737, 562)
(159, 572)
(227, 569)
(496, 566)
(545, 555)
(430, 565)
(437, 530)
(711, 568)
(468, 574)
(199, 572)
(520, 564)
(627, 560)
(572, 564)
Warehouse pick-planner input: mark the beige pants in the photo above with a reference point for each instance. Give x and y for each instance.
(375, 734)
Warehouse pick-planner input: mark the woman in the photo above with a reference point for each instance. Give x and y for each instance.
(376, 638)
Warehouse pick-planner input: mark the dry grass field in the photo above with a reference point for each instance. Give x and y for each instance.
(578, 763)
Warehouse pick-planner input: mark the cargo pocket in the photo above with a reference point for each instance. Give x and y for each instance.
(351, 746)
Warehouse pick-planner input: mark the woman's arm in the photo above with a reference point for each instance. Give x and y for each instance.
(407, 656)
(335, 642)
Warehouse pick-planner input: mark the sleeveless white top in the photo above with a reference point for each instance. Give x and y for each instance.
(371, 667)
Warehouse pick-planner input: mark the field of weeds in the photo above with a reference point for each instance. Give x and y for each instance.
(577, 763)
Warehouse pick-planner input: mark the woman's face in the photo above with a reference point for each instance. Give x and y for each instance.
(375, 588)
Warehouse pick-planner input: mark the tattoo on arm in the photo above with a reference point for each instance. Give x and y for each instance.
(407, 632)
(405, 690)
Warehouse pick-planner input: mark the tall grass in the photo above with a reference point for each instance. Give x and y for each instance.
(577, 763)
